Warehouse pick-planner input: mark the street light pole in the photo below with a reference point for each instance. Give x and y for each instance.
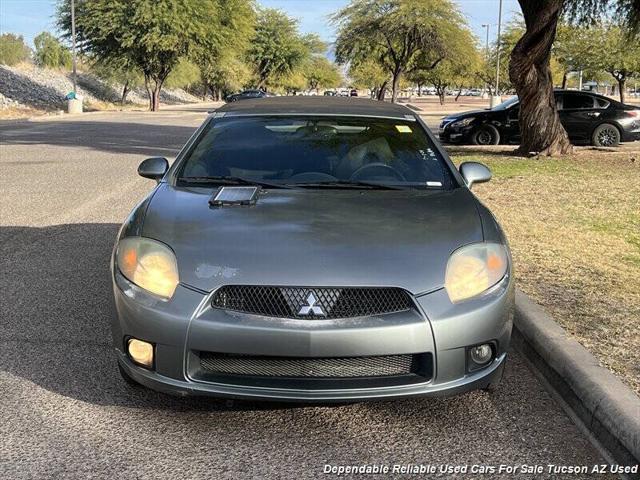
(498, 50)
(486, 56)
(486, 45)
(73, 44)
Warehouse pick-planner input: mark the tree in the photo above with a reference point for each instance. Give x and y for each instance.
(119, 73)
(292, 82)
(572, 50)
(13, 50)
(225, 73)
(185, 74)
(224, 69)
(320, 72)
(50, 52)
(459, 68)
(510, 36)
(277, 48)
(396, 33)
(616, 55)
(152, 34)
(368, 74)
(529, 68)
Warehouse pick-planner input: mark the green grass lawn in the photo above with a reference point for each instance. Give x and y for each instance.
(574, 228)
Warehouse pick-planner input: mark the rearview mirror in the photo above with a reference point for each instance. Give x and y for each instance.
(153, 168)
(474, 172)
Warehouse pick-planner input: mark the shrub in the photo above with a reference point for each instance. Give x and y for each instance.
(50, 52)
(13, 50)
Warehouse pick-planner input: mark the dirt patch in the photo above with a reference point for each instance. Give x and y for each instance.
(574, 227)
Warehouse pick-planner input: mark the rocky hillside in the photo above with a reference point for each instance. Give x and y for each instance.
(29, 86)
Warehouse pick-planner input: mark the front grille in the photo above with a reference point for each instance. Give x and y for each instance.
(311, 303)
(303, 367)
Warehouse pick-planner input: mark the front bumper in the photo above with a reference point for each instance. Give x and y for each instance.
(172, 386)
(631, 135)
(457, 135)
(187, 325)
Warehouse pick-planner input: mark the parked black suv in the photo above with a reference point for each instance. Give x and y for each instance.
(588, 119)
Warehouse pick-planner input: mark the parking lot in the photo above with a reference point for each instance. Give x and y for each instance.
(66, 185)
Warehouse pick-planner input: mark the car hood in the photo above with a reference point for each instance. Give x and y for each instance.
(306, 237)
(461, 115)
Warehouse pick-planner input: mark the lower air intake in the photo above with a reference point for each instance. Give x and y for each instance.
(302, 367)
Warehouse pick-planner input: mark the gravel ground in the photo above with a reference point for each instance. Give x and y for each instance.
(45, 89)
(66, 186)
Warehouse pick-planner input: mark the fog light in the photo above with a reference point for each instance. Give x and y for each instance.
(481, 354)
(140, 352)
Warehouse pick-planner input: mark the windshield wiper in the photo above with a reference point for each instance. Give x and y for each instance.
(228, 180)
(348, 184)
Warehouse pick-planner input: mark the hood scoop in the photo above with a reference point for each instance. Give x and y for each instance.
(234, 196)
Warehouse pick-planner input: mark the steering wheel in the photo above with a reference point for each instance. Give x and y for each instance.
(376, 170)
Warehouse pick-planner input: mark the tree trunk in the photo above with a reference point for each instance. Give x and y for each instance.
(441, 91)
(148, 89)
(622, 87)
(540, 127)
(564, 80)
(262, 82)
(125, 92)
(155, 102)
(383, 90)
(395, 85)
(459, 93)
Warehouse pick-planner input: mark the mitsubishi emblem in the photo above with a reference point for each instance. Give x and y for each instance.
(311, 307)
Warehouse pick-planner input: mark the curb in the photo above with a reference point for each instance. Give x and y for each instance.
(606, 406)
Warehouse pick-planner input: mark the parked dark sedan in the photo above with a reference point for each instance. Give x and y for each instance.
(587, 117)
(246, 94)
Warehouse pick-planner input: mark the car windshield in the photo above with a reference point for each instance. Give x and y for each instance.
(316, 152)
(506, 104)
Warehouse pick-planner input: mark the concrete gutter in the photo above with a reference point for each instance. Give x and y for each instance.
(606, 406)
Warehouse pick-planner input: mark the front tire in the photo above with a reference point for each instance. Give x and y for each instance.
(485, 135)
(606, 135)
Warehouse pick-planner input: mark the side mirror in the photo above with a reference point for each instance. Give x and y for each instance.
(474, 172)
(153, 168)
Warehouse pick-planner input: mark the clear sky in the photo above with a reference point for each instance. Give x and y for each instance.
(30, 17)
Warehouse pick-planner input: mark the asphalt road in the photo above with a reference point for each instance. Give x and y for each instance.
(66, 185)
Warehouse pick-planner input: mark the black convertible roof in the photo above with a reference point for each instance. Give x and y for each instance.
(321, 105)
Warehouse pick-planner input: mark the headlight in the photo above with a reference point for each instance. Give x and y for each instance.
(474, 269)
(149, 264)
(463, 123)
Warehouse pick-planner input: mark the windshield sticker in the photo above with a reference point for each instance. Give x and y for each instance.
(403, 128)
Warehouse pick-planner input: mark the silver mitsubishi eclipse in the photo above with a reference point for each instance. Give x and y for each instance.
(312, 249)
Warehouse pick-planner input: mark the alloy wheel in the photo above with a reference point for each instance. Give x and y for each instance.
(484, 137)
(607, 137)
